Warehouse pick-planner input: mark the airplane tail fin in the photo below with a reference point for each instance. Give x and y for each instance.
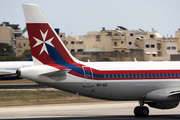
(46, 46)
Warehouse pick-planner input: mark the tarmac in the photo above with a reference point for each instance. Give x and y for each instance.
(110, 110)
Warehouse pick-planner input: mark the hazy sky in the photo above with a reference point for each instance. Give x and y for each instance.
(92, 15)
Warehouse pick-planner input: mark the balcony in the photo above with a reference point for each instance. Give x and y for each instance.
(116, 37)
(17, 31)
(118, 46)
(18, 47)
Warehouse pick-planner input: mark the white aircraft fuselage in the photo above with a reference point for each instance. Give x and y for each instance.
(116, 80)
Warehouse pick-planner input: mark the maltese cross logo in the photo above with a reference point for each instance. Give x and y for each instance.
(44, 42)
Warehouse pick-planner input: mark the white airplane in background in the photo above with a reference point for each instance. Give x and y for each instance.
(8, 69)
(154, 83)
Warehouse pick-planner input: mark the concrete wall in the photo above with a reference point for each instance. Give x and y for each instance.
(114, 56)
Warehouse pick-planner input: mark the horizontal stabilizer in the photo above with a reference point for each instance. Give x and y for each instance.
(57, 75)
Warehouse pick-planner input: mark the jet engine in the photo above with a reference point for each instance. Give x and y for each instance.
(163, 105)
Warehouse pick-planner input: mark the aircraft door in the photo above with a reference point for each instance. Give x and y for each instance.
(88, 76)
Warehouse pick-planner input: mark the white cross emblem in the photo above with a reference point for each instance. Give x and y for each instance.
(44, 42)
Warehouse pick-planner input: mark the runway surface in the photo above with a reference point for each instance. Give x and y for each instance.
(84, 111)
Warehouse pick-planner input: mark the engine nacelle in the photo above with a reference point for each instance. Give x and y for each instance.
(163, 105)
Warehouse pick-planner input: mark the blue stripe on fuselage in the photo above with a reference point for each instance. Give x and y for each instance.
(58, 59)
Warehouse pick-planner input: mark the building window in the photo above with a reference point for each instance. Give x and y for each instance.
(130, 43)
(19, 44)
(72, 42)
(98, 38)
(147, 46)
(116, 34)
(154, 55)
(115, 43)
(72, 50)
(61, 35)
(168, 48)
(131, 34)
(122, 42)
(109, 33)
(80, 50)
(173, 48)
(152, 36)
(152, 46)
(24, 44)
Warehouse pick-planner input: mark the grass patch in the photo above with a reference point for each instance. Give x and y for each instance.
(15, 81)
(34, 97)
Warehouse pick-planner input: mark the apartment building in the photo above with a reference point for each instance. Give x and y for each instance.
(155, 47)
(9, 33)
(21, 45)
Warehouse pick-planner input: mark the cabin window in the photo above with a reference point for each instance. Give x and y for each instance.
(162, 75)
(116, 75)
(112, 75)
(142, 75)
(108, 75)
(165, 75)
(136, 75)
(168, 75)
(127, 76)
(175, 75)
(149, 75)
(130, 75)
(122, 75)
(157, 75)
(172, 75)
(104, 75)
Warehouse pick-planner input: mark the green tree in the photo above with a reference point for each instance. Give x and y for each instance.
(26, 54)
(105, 59)
(4, 47)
